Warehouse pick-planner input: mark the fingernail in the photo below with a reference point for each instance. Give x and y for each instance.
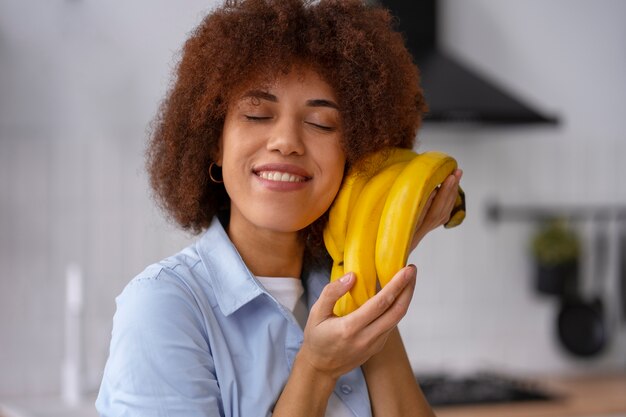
(346, 278)
(414, 268)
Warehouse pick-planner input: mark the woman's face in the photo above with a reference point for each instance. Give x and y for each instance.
(281, 154)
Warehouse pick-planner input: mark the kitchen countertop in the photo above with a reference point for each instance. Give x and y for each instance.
(595, 395)
(584, 396)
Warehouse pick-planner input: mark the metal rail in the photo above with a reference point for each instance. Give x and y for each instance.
(497, 212)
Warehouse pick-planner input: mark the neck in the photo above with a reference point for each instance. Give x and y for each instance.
(266, 252)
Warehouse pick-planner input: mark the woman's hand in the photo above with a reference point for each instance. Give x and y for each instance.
(335, 345)
(437, 210)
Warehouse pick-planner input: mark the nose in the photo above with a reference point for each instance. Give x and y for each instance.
(286, 137)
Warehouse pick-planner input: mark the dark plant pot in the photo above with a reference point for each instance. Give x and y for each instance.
(559, 279)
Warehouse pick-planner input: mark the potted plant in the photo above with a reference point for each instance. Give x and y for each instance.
(556, 252)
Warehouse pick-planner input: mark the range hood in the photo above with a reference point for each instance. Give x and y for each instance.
(453, 92)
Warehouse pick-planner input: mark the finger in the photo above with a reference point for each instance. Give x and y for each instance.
(392, 316)
(437, 199)
(454, 191)
(373, 308)
(450, 185)
(332, 292)
(431, 198)
(417, 235)
(445, 200)
(426, 208)
(438, 207)
(449, 191)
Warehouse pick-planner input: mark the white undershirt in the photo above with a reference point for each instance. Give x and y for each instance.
(288, 292)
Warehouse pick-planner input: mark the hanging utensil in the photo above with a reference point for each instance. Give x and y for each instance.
(581, 321)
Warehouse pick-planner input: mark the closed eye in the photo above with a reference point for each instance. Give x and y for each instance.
(250, 117)
(321, 127)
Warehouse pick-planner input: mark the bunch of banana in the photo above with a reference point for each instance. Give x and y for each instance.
(373, 218)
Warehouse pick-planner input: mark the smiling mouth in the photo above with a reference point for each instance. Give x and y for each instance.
(281, 176)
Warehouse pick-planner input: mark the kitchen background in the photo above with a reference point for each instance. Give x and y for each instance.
(80, 81)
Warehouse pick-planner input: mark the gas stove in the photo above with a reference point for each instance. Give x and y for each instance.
(483, 388)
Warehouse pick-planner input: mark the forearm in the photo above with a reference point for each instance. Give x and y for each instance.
(392, 386)
(306, 393)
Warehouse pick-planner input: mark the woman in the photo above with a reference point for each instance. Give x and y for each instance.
(273, 101)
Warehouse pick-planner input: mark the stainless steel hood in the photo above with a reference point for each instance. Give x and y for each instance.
(453, 92)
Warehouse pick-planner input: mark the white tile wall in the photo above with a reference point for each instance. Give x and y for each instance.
(572, 61)
(78, 88)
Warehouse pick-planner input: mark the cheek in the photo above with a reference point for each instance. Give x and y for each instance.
(234, 177)
(335, 172)
(233, 152)
(233, 170)
(339, 164)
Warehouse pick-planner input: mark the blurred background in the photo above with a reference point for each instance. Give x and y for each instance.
(80, 81)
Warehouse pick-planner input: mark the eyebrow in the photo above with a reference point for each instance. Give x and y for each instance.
(264, 95)
(322, 103)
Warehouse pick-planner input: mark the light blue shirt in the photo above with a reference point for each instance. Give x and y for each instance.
(197, 335)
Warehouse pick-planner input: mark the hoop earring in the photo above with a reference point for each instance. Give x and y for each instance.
(216, 181)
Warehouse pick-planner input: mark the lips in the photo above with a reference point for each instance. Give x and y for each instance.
(282, 173)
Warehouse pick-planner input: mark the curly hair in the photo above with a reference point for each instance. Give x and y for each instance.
(352, 45)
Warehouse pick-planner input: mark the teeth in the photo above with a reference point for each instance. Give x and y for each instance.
(280, 176)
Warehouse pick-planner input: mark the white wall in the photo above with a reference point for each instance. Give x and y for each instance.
(80, 80)
(475, 307)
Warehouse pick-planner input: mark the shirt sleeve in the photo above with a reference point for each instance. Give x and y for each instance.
(159, 363)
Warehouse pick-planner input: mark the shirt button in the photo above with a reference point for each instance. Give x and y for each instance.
(346, 389)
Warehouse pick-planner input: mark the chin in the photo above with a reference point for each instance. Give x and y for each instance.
(283, 222)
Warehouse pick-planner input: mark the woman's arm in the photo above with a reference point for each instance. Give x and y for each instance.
(335, 345)
(306, 393)
(391, 384)
(393, 389)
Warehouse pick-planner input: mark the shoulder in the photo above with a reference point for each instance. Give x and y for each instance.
(160, 355)
(173, 290)
(207, 278)
(176, 270)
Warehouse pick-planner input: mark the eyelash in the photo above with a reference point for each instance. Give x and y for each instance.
(255, 118)
(324, 128)
(263, 118)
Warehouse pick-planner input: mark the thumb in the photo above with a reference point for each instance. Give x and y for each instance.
(331, 293)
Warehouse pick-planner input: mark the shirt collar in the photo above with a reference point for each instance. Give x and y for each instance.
(232, 281)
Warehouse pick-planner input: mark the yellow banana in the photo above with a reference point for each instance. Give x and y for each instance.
(457, 215)
(346, 303)
(329, 242)
(353, 183)
(360, 242)
(406, 200)
(373, 218)
(335, 230)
